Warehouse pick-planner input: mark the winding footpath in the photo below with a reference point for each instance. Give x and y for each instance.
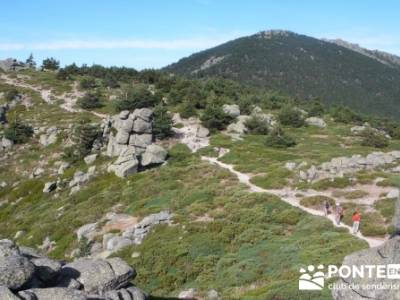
(69, 99)
(287, 195)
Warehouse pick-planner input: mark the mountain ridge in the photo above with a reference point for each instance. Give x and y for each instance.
(302, 67)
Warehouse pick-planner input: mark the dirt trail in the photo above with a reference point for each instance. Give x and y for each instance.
(48, 96)
(289, 196)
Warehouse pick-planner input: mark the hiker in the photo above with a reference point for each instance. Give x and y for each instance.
(356, 221)
(339, 213)
(326, 208)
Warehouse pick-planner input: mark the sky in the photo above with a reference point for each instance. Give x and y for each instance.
(155, 33)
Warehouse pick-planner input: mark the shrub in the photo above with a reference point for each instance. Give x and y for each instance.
(338, 182)
(18, 132)
(287, 216)
(345, 115)
(246, 105)
(84, 135)
(62, 74)
(162, 124)
(315, 108)
(256, 125)
(137, 97)
(289, 116)
(90, 101)
(372, 138)
(214, 118)
(316, 201)
(87, 83)
(187, 109)
(11, 94)
(278, 139)
(50, 64)
(84, 246)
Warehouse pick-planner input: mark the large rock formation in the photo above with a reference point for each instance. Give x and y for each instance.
(132, 142)
(360, 288)
(26, 275)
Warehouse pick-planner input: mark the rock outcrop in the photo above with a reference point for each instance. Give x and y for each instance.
(132, 232)
(359, 288)
(338, 166)
(26, 275)
(132, 142)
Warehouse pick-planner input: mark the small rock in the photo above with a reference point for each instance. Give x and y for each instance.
(49, 186)
(231, 110)
(393, 194)
(90, 159)
(314, 121)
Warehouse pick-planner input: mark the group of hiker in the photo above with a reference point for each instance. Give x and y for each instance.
(339, 213)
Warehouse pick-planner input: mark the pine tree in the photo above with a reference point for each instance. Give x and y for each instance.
(30, 62)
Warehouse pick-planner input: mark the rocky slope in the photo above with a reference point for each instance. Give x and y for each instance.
(28, 275)
(208, 210)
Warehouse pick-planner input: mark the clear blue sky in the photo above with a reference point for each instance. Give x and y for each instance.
(154, 33)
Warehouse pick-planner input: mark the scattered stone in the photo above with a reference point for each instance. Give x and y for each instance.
(314, 121)
(393, 194)
(78, 179)
(3, 184)
(90, 159)
(6, 294)
(50, 137)
(212, 295)
(46, 269)
(62, 168)
(19, 234)
(126, 164)
(6, 144)
(52, 294)
(188, 294)
(290, 166)
(15, 271)
(231, 110)
(98, 276)
(49, 186)
(154, 154)
(37, 172)
(89, 231)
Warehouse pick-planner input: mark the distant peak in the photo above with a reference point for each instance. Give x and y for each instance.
(267, 34)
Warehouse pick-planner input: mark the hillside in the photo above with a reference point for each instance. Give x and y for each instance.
(303, 67)
(203, 189)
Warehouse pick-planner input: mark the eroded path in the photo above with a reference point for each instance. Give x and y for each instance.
(287, 195)
(69, 99)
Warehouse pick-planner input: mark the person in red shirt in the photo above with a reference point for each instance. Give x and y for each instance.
(356, 221)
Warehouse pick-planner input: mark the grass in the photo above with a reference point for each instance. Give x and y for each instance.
(386, 207)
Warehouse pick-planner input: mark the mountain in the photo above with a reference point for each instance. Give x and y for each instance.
(304, 67)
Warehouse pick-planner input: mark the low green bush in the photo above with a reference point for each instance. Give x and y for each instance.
(317, 201)
(374, 139)
(18, 132)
